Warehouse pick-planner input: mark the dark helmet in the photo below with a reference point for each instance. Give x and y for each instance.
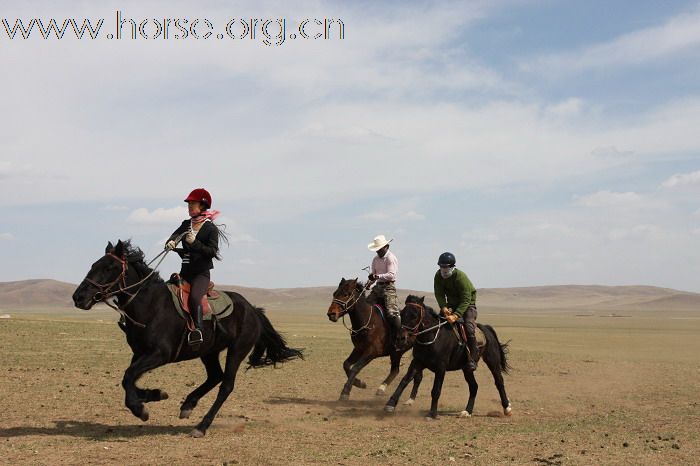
(201, 195)
(447, 258)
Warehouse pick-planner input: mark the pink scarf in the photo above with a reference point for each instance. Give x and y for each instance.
(206, 215)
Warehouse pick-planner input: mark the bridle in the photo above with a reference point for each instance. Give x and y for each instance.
(347, 305)
(416, 331)
(105, 291)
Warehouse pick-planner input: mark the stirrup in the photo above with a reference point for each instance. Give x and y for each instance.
(195, 337)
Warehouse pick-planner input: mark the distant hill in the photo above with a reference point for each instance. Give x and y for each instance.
(52, 294)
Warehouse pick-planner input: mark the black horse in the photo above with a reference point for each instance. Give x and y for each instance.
(156, 333)
(438, 349)
(370, 337)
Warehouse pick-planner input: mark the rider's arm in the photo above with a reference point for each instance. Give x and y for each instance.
(467, 294)
(209, 245)
(439, 288)
(180, 230)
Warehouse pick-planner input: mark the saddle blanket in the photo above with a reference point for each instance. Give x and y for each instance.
(216, 304)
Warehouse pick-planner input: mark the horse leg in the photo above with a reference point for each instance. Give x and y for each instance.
(495, 368)
(234, 358)
(395, 359)
(417, 379)
(473, 389)
(214, 377)
(347, 364)
(354, 370)
(413, 369)
(435, 393)
(133, 399)
(148, 395)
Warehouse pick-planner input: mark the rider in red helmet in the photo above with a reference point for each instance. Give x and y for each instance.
(200, 245)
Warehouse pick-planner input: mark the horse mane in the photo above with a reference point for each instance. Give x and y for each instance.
(135, 256)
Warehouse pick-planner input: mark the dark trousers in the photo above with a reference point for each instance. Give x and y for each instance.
(199, 284)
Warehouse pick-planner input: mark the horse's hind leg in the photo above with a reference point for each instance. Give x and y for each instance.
(495, 368)
(214, 377)
(348, 363)
(413, 369)
(140, 365)
(473, 389)
(395, 362)
(234, 358)
(417, 379)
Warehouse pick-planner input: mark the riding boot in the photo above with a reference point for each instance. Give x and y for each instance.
(471, 345)
(195, 336)
(395, 321)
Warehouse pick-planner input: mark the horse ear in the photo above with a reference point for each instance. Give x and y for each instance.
(422, 299)
(109, 247)
(119, 249)
(342, 280)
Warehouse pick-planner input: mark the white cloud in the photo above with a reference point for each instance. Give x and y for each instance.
(566, 108)
(608, 198)
(6, 236)
(682, 180)
(114, 208)
(678, 34)
(159, 216)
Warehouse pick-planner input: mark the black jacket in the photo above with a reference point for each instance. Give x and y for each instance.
(197, 257)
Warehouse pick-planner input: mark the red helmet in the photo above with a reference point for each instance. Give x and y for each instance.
(200, 195)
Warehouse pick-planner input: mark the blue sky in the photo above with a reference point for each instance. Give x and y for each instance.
(543, 142)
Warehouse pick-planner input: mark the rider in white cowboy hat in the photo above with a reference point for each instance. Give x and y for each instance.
(384, 268)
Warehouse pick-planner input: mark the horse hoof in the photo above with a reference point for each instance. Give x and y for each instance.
(381, 390)
(163, 395)
(185, 413)
(464, 414)
(389, 409)
(430, 418)
(508, 410)
(410, 401)
(196, 433)
(344, 397)
(144, 414)
(361, 385)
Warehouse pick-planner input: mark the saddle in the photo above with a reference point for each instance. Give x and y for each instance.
(214, 303)
(478, 333)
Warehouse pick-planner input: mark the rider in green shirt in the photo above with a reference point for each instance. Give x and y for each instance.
(456, 297)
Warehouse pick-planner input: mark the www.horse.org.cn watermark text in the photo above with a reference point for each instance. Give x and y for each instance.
(270, 32)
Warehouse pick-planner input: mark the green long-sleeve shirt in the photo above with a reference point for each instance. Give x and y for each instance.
(456, 292)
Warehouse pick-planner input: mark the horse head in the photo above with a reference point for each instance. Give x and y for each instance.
(104, 277)
(344, 298)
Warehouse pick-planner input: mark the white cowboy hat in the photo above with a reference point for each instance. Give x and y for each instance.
(378, 243)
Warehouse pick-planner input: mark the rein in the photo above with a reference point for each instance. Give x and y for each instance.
(414, 329)
(105, 290)
(347, 306)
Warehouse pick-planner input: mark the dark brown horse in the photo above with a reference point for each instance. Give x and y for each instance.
(370, 335)
(156, 333)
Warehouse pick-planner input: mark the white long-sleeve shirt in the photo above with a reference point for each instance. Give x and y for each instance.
(385, 267)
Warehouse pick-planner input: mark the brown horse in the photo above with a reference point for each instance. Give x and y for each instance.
(370, 335)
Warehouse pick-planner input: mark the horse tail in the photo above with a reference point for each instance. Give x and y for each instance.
(271, 347)
(499, 351)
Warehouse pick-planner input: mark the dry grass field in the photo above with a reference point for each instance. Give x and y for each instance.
(594, 387)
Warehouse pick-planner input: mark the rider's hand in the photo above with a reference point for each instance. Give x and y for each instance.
(170, 245)
(445, 311)
(372, 277)
(190, 237)
(452, 318)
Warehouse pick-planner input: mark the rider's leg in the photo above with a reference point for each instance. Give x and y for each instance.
(470, 326)
(199, 285)
(393, 315)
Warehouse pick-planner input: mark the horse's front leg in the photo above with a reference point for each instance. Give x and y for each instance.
(435, 393)
(148, 395)
(347, 365)
(354, 370)
(134, 396)
(410, 374)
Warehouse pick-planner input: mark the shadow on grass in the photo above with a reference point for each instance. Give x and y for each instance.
(95, 430)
